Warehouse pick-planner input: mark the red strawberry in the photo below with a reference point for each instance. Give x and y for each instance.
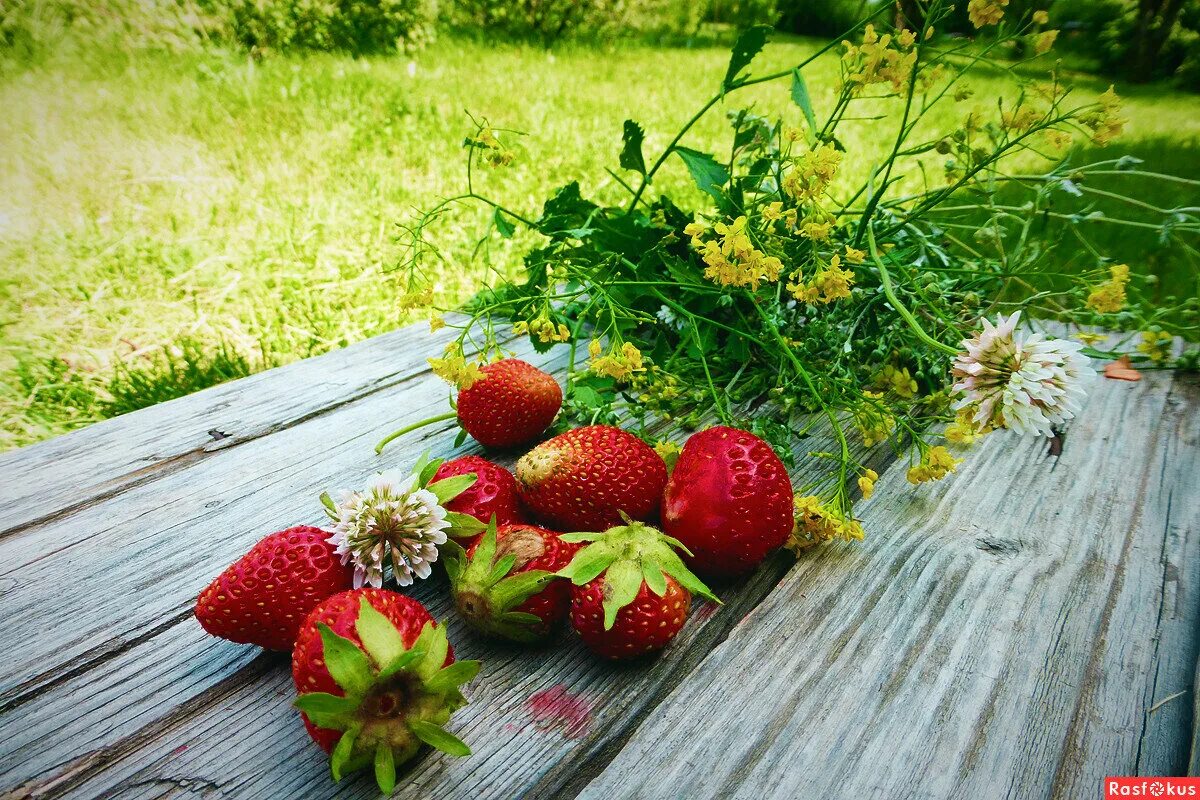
(729, 500)
(631, 591)
(510, 404)
(583, 479)
(513, 404)
(264, 596)
(523, 601)
(377, 678)
(494, 492)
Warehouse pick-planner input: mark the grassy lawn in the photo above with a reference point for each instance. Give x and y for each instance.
(233, 214)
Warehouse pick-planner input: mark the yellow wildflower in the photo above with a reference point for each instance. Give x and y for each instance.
(817, 523)
(1020, 119)
(1156, 345)
(772, 212)
(1041, 17)
(812, 173)
(986, 12)
(436, 323)
(1056, 139)
(1044, 41)
(898, 380)
(1109, 297)
(495, 153)
(1090, 338)
(732, 259)
(667, 450)
(412, 300)
(936, 464)
(455, 369)
(621, 365)
(874, 423)
(866, 483)
(855, 256)
(963, 93)
(877, 61)
(695, 230)
(544, 329)
(817, 231)
(1106, 122)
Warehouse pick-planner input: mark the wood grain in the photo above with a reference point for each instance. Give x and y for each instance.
(1000, 634)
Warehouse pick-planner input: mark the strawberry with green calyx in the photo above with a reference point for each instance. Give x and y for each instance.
(493, 493)
(631, 589)
(506, 403)
(377, 680)
(398, 519)
(505, 585)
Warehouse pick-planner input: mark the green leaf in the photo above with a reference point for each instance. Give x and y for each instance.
(326, 710)
(582, 536)
(673, 565)
(586, 565)
(516, 589)
(433, 641)
(438, 738)
(342, 751)
(485, 551)
(520, 618)
(502, 568)
(622, 583)
(631, 152)
(425, 468)
(460, 438)
(654, 578)
(347, 665)
(750, 43)
(707, 173)
(503, 226)
(800, 97)
(379, 636)
(449, 488)
(453, 676)
(385, 768)
(402, 661)
(462, 525)
(330, 506)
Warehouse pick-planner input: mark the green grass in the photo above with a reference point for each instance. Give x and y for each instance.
(151, 200)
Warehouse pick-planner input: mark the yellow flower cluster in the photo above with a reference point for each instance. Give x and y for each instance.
(866, 483)
(495, 154)
(1156, 345)
(880, 59)
(731, 259)
(411, 300)
(874, 424)
(1041, 17)
(986, 12)
(656, 388)
(812, 173)
(454, 368)
(936, 463)
(829, 284)
(544, 329)
(816, 522)
(963, 430)
(668, 451)
(620, 365)
(1106, 122)
(1109, 297)
(1090, 338)
(1044, 41)
(1020, 119)
(898, 380)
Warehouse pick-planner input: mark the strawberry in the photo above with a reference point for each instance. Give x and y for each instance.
(729, 500)
(264, 596)
(376, 679)
(583, 479)
(631, 591)
(494, 492)
(504, 404)
(504, 584)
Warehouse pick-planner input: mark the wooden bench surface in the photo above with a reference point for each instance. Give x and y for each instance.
(1019, 630)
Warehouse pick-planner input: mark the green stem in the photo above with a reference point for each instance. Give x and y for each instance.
(410, 428)
(889, 291)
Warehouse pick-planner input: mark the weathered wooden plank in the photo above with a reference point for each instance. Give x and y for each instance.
(110, 456)
(106, 706)
(994, 637)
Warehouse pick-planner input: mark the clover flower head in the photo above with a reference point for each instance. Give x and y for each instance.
(392, 519)
(1024, 382)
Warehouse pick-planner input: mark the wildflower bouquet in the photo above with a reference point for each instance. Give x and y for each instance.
(788, 299)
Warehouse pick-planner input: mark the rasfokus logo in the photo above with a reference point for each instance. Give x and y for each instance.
(1151, 787)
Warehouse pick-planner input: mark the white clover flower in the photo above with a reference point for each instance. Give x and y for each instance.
(392, 517)
(1024, 382)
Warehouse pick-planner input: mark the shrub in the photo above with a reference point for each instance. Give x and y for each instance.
(355, 26)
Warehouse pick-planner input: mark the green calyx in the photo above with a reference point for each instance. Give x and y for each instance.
(485, 592)
(396, 697)
(628, 555)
